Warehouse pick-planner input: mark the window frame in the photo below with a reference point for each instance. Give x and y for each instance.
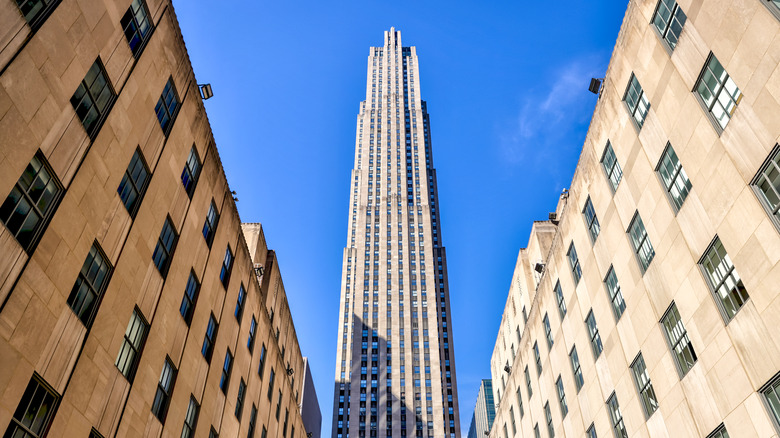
(240, 303)
(210, 225)
(137, 350)
(187, 311)
(143, 39)
(614, 169)
(548, 331)
(560, 300)
(240, 397)
(163, 270)
(614, 294)
(632, 111)
(83, 279)
(593, 335)
(773, 159)
(714, 288)
(207, 348)
(192, 408)
(673, 344)
(772, 385)
(644, 389)
(593, 222)
(662, 35)
(640, 246)
(576, 368)
(715, 96)
(561, 391)
(165, 399)
(719, 432)
(35, 384)
(225, 271)
(616, 417)
(549, 419)
(574, 263)
(171, 115)
(680, 171)
(537, 358)
(191, 175)
(140, 191)
(40, 17)
(94, 129)
(773, 7)
(227, 370)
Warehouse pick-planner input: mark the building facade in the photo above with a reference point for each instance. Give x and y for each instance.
(310, 405)
(395, 364)
(648, 304)
(131, 301)
(484, 411)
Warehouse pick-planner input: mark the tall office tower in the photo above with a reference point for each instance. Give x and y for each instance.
(484, 411)
(395, 365)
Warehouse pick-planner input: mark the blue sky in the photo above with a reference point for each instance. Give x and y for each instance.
(506, 86)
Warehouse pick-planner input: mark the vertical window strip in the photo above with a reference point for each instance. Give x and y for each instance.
(673, 175)
(591, 221)
(724, 280)
(615, 297)
(682, 350)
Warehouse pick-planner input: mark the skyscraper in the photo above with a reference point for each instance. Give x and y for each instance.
(484, 411)
(395, 364)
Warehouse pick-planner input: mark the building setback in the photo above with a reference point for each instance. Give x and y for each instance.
(484, 411)
(310, 405)
(395, 362)
(131, 301)
(648, 304)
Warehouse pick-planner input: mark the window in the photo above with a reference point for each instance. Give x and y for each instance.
(766, 184)
(167, 107)
(90, 285)
(719, 432)
(547, 331)
(190, 298)
(279, 405)
(636, 102)
(576, 368)
(611, 166)
(164, 390)
(677, 336)
(93, 99)
(559, 298)
(548, 417)
(615, 297)
(264, 433)
(591, 221)
(642, 247)
(252, 421)
(131, 189)
(210, 226)
(574, 262)
(35, 410)
(286, 418)
(536, 431)
(36, 11)
(723, 279)
(240, 399)
(593, 332)
(520, 403)
(250, 343)
(561, 396)
(528, 382)
(132, 345)
(227, 367)
(591, 432)
(717, 92)
(261, 367)
(271, 384)
(669, 20)
(31, 203)
(135, 24)
(644, 386)
(210, 338)
(538, 359)
(674, 178)
(512, 417)
(165, 246)
(771, 393)
(616, 417)
(240, 300)
(224, 274)
(190, 419)
(189, 179)
(774, 6)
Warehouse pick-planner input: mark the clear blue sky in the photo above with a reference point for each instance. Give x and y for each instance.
(506, 86)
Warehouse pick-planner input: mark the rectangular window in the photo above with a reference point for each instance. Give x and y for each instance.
(719, 432)
(682, 349)
(252, 422)
(593, 333)
(559, 299)
(512, 417)
(164, 390)
(717, 92)
(669, 20)
(576, 368)
(240, 399)
(213, 433)
(32, 202)
(506, 434)
(636, 102)
(724, 281)
(271, 384)
(674, 178)
(766, 185)
(250, 344)
(190, 175)
(642, 247)
(36, 11)
(771, 395)
(536, 431)
(591, 221)
(210, 226)
(190, 419)
(263, 433)
(574, 263)
(538, 359)
(190, 298)
(210, 338)
(224, 274)
(520, 403)
(284, 425)
(136, 26)
(591, 432)
(165, 246)
(261, 367)
(93, 99)
(227, 367)
(279, 405)
(528, 382)
(615, 297)
(131, 189)
(611, 166)
(548, 331)
(561, 396)
(35, 410)
(616, 417)
(132, 345)
(774, 6)
(548, 417)
(167, 107)
(90, 285)
(240, 300)
(644, 386)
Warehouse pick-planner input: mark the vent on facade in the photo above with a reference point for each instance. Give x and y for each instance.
(595, 86)
(508, 369)
(539, 267)
(553, 216)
